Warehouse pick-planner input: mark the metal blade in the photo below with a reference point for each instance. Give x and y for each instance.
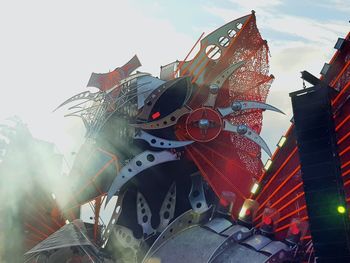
(165, 122)
(138, 164)
(219, 81)
(245, 131)
(160, 142)
(167, 209)
(237, 106)
(144, 215)
(85, 95)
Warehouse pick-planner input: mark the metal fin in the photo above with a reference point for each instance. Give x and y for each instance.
(160, 142)
(245, 131)
(144, 214)
(167, 209)
(215, 86)
(197, 196)
(139, 163)
(246, 105)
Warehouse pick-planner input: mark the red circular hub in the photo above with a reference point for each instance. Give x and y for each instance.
(203, 124)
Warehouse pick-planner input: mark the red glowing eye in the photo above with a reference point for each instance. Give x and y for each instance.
(247, 212)
(267, 220)
(156, 115)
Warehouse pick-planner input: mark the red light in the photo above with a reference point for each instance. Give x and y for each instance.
(224, 202)
(247, 212)
(267, 220)
(156, 115)
(294, 229)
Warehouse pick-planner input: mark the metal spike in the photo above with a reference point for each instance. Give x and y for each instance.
(167, 209)
(197, 196)
(144, 215)
(237, 106)
(245, 131)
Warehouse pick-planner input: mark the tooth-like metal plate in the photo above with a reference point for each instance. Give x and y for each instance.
(246, 105)
(144, 214)
(220, 80)
(138, 164)
(167, 209)
(159, 142)
(197, 196)
(249, 134)
(165, 122)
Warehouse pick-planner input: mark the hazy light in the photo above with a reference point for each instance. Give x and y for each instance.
(254, 188)
(282, 141)
(341, 209)
(53, 196)
(67, 222)
(243, 211)
(267, 164)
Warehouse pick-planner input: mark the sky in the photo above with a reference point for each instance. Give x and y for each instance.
(48, 49)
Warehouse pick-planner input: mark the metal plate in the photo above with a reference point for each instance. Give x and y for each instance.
(237, 106)
(218, 224)
(235, 234)
(144, 215)
(257, 241)
(159, 142)
(248, 133)
(274, 247)
(165, 122)
(194, 245)
(167, 209)
(184, 221)
(237, 253)
(138, 164)
(197, 196)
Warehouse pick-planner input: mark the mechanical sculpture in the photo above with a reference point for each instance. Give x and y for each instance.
(178, 158)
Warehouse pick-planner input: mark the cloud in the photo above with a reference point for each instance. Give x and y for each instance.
(50, 49)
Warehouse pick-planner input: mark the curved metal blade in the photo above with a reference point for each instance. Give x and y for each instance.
(159, 142)
(167, 209)
(219, 81)
(144, 214)
(248, 133)
(165, 122)
(85, 95)
(138, 164)
(246, 105)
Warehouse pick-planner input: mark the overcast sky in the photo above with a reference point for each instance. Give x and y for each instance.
(48, 49)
